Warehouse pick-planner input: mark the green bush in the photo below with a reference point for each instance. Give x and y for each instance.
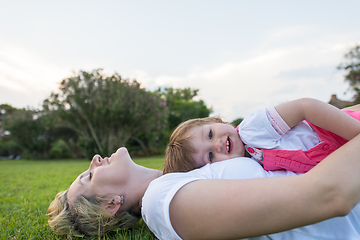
(60, 150)
(8, 148)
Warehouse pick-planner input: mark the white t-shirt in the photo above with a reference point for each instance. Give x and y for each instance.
(157, 198)
(258, 131)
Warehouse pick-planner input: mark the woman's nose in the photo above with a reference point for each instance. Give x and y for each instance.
(97, 160)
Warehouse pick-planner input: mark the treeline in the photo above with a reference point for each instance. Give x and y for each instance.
(94, 113)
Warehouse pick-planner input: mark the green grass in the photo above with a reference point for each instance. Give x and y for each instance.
(28, 187)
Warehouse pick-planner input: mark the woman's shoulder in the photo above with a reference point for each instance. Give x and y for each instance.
(171, 182)
(158, 196)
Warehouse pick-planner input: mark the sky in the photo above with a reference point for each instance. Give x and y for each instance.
(241, 55)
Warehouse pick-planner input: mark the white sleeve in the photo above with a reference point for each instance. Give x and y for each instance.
(262, 129)
(277, 122)
(157, 198)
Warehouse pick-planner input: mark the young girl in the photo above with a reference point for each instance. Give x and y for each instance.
(277, 138)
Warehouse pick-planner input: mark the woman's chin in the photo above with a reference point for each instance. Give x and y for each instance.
(119, 155)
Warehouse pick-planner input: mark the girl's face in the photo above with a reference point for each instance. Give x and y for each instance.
(105, 176)
(215, 142)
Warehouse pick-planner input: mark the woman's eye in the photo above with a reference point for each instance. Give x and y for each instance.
(210, 156)
(210, 134)
(90, 175)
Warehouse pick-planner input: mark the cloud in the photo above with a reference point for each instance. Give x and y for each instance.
(288, 63)
(237, 88)
(25, 78)
(307, 72)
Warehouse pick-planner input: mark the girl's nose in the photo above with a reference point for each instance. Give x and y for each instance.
(217, 145)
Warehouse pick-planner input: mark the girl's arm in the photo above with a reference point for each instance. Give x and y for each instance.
(354, 108)
(321, 114)
(230, 209)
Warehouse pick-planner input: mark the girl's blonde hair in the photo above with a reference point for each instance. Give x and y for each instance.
(179, 149)
(86, 216)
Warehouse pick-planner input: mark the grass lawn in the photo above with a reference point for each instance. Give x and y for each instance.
(28, 187)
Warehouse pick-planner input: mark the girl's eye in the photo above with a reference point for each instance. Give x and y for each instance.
(211, 156)
(90, 175)
(210, 134)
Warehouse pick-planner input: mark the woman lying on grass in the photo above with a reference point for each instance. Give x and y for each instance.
(200, 204)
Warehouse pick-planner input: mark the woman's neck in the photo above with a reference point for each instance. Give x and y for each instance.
(141, 182)
(147, 176)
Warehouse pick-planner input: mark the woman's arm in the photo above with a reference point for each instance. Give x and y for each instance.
(229, 209)
(321, 114)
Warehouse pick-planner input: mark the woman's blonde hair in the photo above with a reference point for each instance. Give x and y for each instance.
(86, 216)
(179, 149)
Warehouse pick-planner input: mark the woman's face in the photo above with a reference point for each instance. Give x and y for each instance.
(105, 176)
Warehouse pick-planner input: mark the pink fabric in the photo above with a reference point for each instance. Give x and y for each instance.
(302, 161)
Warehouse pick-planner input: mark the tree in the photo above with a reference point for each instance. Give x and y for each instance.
(236, 122)
(182, 106)
(352, 66)
(8, 146)
(5, 111)
(105, 111)
(32, 130)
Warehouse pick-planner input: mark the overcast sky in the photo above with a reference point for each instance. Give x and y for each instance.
(242, 55)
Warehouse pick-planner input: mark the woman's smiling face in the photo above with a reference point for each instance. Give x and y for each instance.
(104, 176)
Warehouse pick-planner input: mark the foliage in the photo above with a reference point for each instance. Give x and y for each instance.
(60, 150)
(6, 109)
(236, 122)
(32, 130)
(182, 106)
(68, 139)
(94, 113)
(352, 67)
(28, 187)
(32, 133)
(105, 111)
(9, 147)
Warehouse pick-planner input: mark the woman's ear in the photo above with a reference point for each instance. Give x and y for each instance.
(114, 205)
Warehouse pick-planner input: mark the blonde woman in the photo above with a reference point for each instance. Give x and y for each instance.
(209, 203)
